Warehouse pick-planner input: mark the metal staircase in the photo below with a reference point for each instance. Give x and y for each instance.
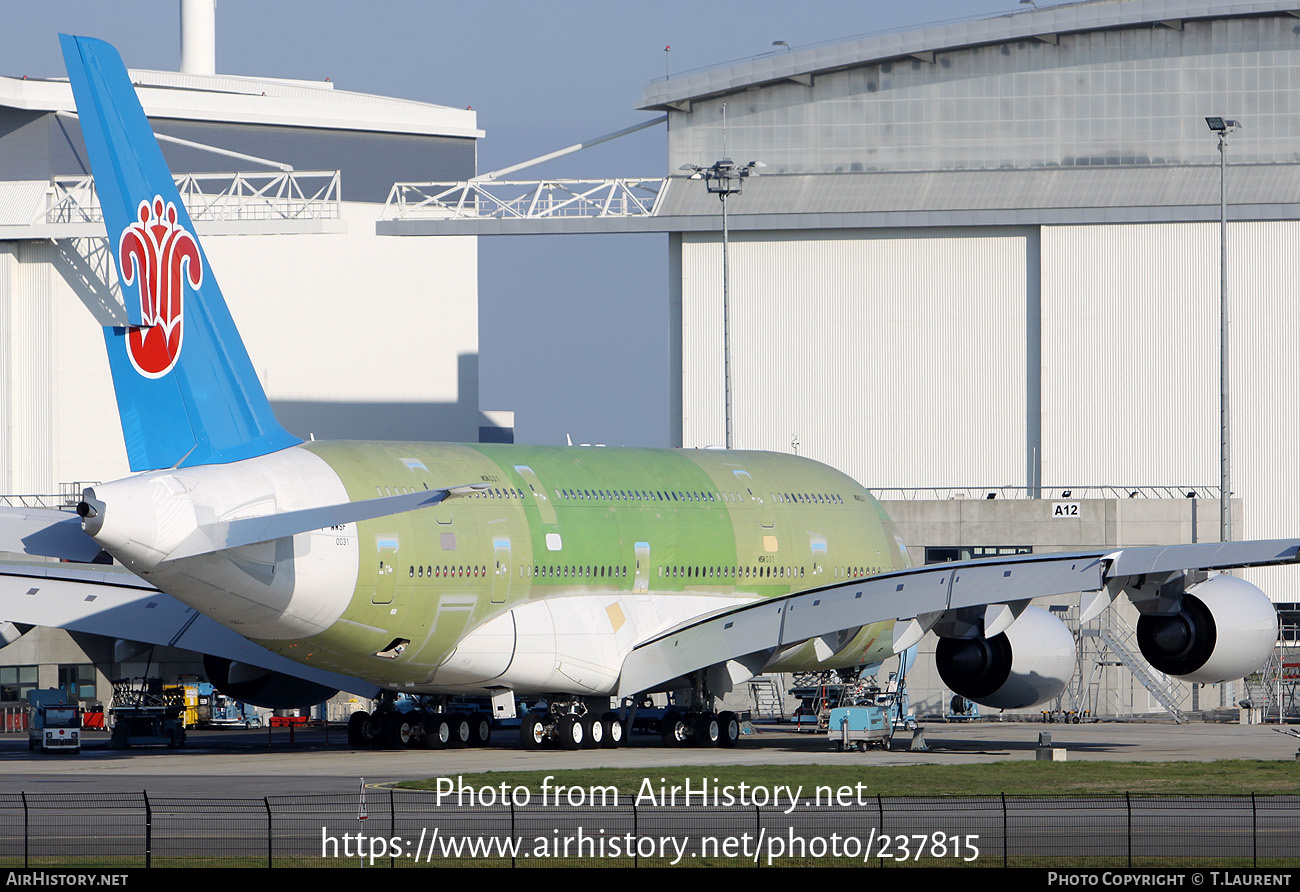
(1111, 641)
(766, 696)
(1120, 638)
(1276, 688)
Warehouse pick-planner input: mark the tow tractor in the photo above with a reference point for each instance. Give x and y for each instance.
(53, 724)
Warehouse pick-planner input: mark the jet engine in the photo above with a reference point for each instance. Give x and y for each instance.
(262, 687)
(1030, 663)
(1225, 628)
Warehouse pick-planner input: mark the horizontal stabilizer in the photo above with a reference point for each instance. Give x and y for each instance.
(45, 533)
(250, 530)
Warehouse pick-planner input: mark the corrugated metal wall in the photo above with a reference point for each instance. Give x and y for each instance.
(8, 265)
(1130, 354)
(905, 358)
(27, 353)
(861, 345)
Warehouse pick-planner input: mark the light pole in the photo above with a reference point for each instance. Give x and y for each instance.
(1222, 127)
(724, 178)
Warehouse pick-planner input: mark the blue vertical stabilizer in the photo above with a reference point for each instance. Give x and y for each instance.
(186, 390)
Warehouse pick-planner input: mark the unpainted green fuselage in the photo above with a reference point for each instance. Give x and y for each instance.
(614, 524)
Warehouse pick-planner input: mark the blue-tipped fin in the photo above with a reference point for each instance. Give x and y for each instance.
(186, 390)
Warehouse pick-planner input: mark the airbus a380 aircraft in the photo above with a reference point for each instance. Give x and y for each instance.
(572, 575)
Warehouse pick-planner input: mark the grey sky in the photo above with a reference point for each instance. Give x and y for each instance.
(573, 329)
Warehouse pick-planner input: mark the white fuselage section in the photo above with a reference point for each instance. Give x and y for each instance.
(284, 589)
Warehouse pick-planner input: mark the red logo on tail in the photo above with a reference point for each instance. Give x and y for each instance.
(162, 256)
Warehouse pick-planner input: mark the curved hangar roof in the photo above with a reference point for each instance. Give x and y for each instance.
(1047, 24)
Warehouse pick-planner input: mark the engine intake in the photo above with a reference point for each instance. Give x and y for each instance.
(1225, 628)
(1030, 663)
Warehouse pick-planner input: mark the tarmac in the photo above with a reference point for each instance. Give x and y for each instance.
(267, 763)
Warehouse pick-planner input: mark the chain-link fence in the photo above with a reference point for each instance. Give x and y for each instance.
(387, 828)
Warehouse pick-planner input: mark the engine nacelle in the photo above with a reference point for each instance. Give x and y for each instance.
(1030, 663)
(1226, 628)
(262, 687)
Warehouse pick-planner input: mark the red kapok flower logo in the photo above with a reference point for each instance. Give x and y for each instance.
(161, 255)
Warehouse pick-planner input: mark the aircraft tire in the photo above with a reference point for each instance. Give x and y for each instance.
(571, 732)
(480, 724)
(357, 737)
(461, 733)
(613, 729)
(437, 732)
(729, 726)
(708, 729)
(532, 732)
(593, 733)
(396, 730)
(673, 730)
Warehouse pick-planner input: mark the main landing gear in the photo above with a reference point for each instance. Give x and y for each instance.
(571, 726)
(427, 726)
(698, 724)
(699, 728)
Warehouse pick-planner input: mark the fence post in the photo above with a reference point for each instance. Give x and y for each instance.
(1006, 833)
(758, 831)
(514, 850)
(880, 809)
(148, 830)
(392, 823)
(1254, 832)
(26, 830)
(636, 834)
(266, 803)
(1128, 807)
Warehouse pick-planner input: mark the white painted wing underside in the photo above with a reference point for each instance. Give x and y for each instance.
(781, 622)
(114, 603)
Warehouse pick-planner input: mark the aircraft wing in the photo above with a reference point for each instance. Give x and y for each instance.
(112, 602)
(982, 588)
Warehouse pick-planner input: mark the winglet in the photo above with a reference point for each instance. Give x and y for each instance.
(186, 389)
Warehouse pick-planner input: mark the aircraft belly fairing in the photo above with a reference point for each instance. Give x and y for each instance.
(575, 644)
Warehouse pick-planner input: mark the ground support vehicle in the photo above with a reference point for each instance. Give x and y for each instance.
(858, 727)
(143, 714)
(53, 723)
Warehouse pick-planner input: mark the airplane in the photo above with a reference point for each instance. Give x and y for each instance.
(569, 576)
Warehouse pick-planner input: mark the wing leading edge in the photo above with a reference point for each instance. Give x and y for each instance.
(921, 598)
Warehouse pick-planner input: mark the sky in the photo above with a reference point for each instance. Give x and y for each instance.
(541, 75)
